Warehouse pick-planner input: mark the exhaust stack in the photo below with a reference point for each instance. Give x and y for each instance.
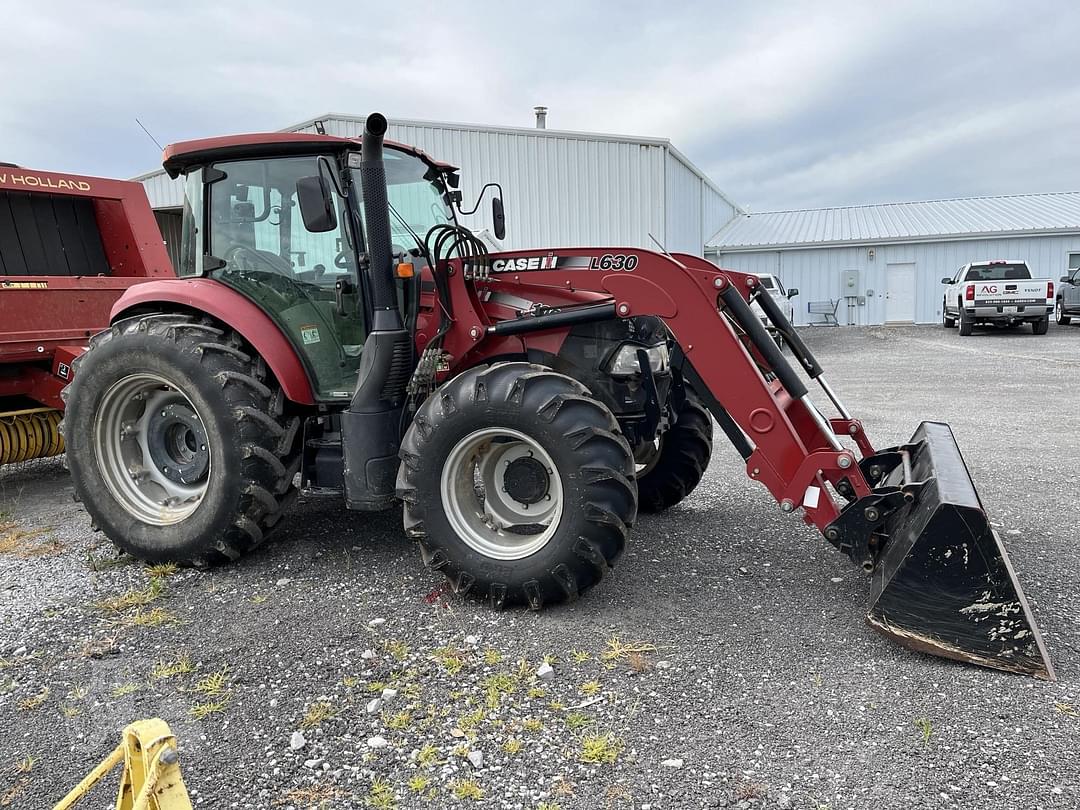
(541, 117)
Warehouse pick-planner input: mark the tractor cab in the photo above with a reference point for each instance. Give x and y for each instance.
(251, 223)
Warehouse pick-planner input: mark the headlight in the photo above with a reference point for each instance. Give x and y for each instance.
(625, 361)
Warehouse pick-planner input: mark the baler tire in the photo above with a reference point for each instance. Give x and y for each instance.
(685, 450)
(253, 447)
(1059, 314)
(1041, 326)
(967, 325)
(593, 471)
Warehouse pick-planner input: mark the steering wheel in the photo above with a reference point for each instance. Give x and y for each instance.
(248, 259)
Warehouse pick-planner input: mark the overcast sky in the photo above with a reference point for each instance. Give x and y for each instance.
(783, 104)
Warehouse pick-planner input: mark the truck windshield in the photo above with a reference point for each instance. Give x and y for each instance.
(998, 272)
(413, 195)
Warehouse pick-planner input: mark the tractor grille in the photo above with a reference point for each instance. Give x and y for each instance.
(400, 370)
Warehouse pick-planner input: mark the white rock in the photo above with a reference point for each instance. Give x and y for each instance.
(663, 665)
(377, 742)
(281, 583)
(374, 705)
(19, 651)
(313, 763)
(672, 763)
(376, 622)
(472, 640)
(297, 741)
(367, 655)
(273, 703)
(545, 672)
(389, 694)
(836, 579)
(476, 758)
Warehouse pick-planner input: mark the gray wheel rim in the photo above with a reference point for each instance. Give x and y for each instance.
(1057, 311)
(134, 466)
(480, 510)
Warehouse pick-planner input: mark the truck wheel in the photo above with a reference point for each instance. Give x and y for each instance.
(674, 465)
(1040, 326)
(517, 485)
(176, 440)
(947, 320)
(1059, 314)
(967, 323)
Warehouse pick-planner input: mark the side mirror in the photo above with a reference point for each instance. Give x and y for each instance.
(792, 292)
(946, 281)
(1064, 279)
(316, 204)
(498, 217)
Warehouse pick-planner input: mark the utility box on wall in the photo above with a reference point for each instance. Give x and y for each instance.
(849, 283)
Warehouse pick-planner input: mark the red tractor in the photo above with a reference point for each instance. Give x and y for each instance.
(69, 247)
(336, 333)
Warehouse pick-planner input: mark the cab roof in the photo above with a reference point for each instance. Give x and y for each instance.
(181, 155)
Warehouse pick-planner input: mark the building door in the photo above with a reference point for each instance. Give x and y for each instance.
(900, 293)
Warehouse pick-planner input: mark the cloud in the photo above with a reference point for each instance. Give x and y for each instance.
(784, 104)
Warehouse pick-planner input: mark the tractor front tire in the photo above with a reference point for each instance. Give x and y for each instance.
(517, 485)
(177, 441)
(676, 464)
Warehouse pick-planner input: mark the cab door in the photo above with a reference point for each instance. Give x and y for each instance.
(259, 246)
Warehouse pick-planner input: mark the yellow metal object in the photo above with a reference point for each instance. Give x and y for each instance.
(33, 433)
(151, 779)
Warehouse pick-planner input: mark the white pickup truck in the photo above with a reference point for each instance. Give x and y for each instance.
(783, 297)
(1000, 292)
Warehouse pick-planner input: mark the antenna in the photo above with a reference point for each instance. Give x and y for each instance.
(663, 249)
(148, 135)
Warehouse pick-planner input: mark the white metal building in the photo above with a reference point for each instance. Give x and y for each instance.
(884, 263)
(560, 188)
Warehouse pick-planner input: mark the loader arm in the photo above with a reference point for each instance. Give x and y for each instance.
(909, 515)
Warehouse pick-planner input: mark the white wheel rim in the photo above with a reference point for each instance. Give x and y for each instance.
(482, 512)
(146, 475)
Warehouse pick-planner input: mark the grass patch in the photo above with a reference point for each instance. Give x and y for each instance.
(24, 545)
(600, 749)
(399, 721)
(617, 650)
(532, 724)
(25, 765)
(317, 714)
(536, 693)
(78, 693)
(513, 746)
(398, 650)
(200, 711)
(381, 796)
(492, 657)
(161, 570)
(134, 598)
(428, 756)
(419, 782)
(171, 669)
(580, 656)
(124, 689)
(70, 711)
(590, 688)
(469, 721)
(926, 729)
(34, 702)
(157, 617)
(466, 790)
(449, 659)
(315, 796)
(1067, 709)
(214, 683)
(577, 720)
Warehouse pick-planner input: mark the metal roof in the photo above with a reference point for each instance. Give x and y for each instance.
(929, 221)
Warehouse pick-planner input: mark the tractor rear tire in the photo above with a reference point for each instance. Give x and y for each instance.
(681, 459)
(177, 442)
(517, 485)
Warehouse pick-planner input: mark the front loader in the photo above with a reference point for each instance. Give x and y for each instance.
(336, 332)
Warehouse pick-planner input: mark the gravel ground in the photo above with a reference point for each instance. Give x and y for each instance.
(725, 663)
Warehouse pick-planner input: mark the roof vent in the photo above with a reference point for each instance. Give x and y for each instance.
(541, 117)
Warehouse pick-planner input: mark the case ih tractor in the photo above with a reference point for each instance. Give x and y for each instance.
(336, 331)
(69, 246)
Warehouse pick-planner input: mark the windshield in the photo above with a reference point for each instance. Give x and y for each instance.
(417, 201)
(998, 272)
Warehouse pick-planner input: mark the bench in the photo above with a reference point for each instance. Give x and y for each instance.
(827, 309)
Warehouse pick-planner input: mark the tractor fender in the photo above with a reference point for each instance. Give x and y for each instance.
(232, 309)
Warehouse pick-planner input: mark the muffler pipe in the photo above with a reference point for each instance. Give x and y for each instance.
(378, 241)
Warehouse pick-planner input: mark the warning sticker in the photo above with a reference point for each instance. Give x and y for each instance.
(309, 334)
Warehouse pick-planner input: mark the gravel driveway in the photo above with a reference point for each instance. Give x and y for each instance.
(725, 663)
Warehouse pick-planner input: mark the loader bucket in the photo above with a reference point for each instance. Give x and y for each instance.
(944, 584)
